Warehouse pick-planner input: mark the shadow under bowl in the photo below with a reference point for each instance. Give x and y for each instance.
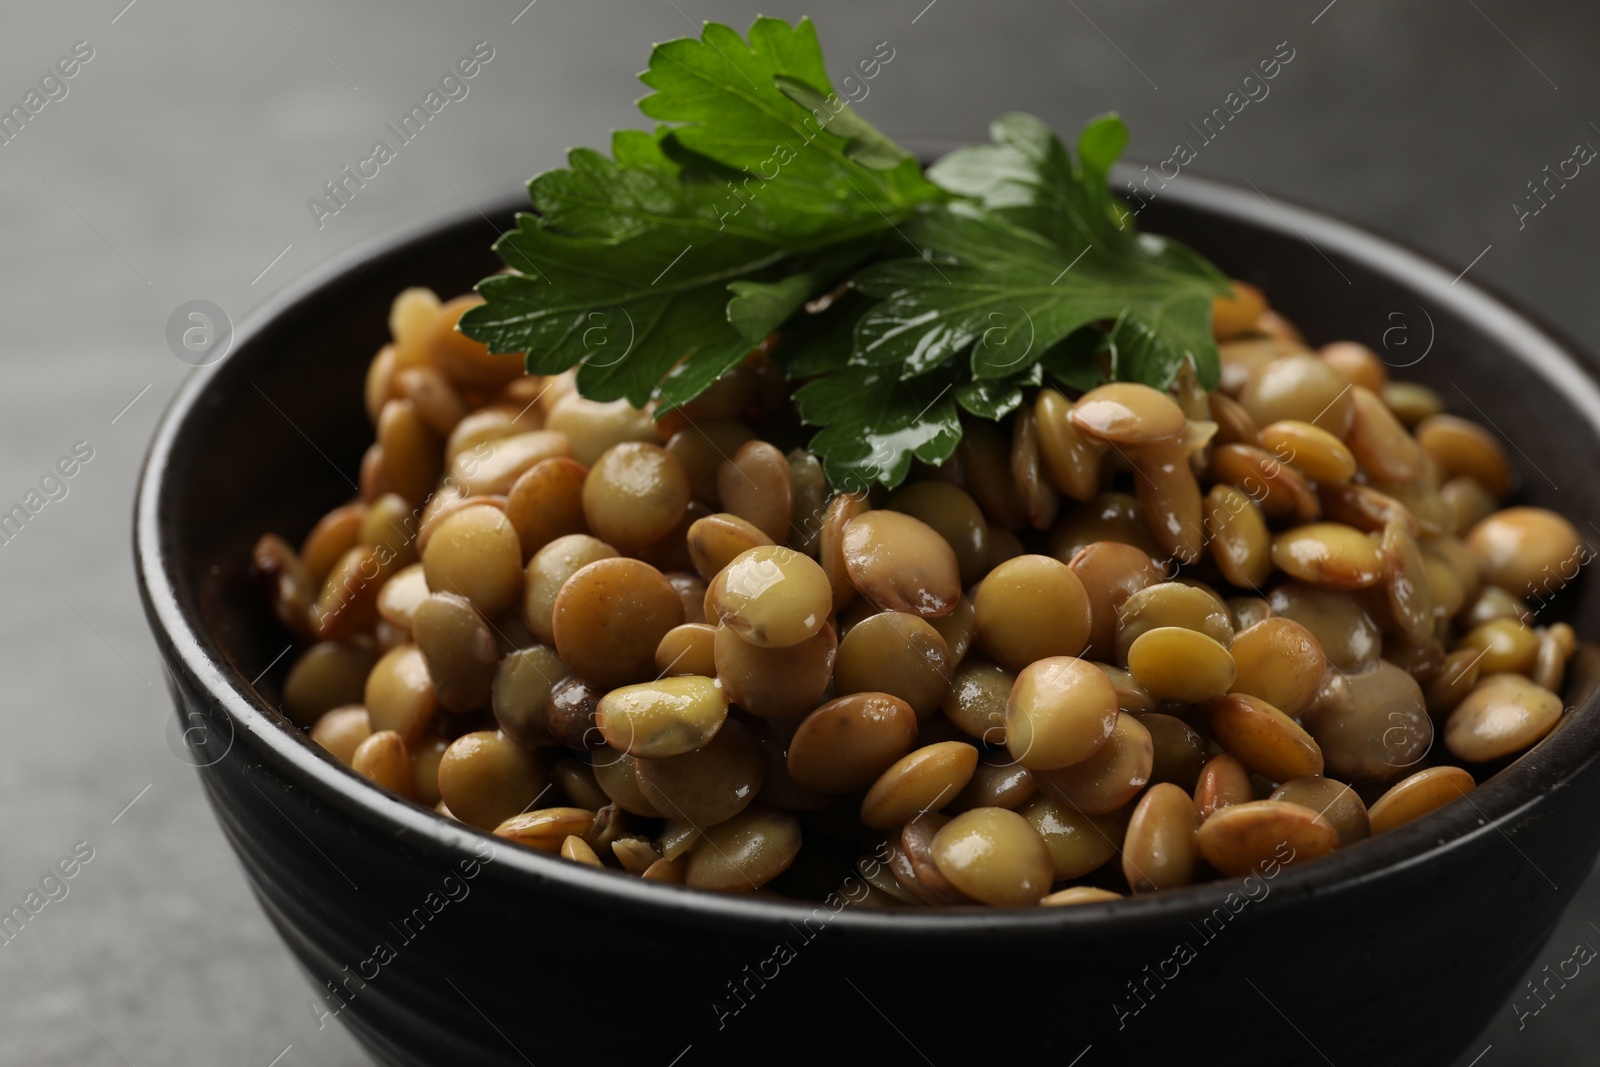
(436, 943)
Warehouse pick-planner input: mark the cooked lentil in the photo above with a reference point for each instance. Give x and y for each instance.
(1188, 631)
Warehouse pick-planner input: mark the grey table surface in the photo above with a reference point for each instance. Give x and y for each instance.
(179, 164)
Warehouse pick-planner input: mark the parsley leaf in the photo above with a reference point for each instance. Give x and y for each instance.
(873, 423)
(656, 269)
(995, 398)
(1027, 177)
(1044, 256)
(726, 93)
(1007, 294)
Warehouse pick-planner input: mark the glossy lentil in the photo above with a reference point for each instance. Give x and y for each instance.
(703, 654)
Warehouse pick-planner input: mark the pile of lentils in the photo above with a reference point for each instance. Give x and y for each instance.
(1142, 640)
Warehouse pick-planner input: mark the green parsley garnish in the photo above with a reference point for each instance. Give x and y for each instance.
(656, 270)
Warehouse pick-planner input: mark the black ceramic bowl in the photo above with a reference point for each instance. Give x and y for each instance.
(1393, 951)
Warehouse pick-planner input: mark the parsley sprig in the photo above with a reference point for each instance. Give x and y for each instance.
(655, 270)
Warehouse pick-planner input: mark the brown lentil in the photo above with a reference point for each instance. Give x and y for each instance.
(1332, 800)
(847, 743)
(952, 513)
(1179, 750)
(976, 700)
(1061, 712)
(1035, 492)
(995, 856)
(1180, 665)
(485, 778)
(523, 682)
(1265, 740)
(1244, 838)
(1280, 491)
(547, 829)
(901, 564)
(1330, 555)
(708, 785)
(1078, 843)
(476, 554)
(1458, 447)
(1071, 458)
(546, 577)
(546, 502)
(1111, 777)
(687, 649)
(399, 693)
(384, 759)
(1527, 551)
(1171, 604)
(577, 850)
(667, 717)
(1224, 781)
(1503, 645)
(1278, 661)
(1372, 725)
(1031, 608)
(775, 682)
(1469, 503)
(772, 596)
(1169, 499)
(1504, 713)
(327, 675)
(1129, 415)
(1161, 846)
(1110, 572)
(745, 852)
(1425, 791)
(341, 730)
(1359, 364)
(634, 495)
(610, 616)
(459, 649)
(1078, 894)
(1235, 314)
(1302, 387)
(898, 654)
(756, 485)
(922, 780)
(614, 772)
(995, 785)
(701, 448)
(1240, 542)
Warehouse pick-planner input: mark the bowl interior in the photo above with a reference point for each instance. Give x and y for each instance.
(271, 438)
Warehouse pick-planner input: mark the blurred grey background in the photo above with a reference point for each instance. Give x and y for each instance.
(178, 165)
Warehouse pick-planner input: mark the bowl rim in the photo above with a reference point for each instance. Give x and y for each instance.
(1499, 801)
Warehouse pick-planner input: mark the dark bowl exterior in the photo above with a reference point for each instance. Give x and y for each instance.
(438, 944)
